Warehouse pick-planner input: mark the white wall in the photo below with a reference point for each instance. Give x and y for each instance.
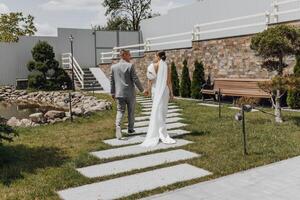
(184, 18)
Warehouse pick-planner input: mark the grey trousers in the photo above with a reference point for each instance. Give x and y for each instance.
(122, 103)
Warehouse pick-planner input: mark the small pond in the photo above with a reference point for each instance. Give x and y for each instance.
(20, 111)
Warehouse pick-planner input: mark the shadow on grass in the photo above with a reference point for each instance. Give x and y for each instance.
(199, 133)
(20, 159)
(295, 120)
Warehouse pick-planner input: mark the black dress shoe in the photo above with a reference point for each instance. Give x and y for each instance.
(131, 131)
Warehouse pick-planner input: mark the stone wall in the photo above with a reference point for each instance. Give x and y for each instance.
(222, 58)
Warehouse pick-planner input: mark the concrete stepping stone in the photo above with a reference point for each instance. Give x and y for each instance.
(208, 105)
(145, 129)
(150, 105)
(144, 101)
(136, 149)
(128, 185)
(143, 118)
(237, 108)
(146, 123)
(169, 107)
(169, 111)
(140, 138)
(141, 162)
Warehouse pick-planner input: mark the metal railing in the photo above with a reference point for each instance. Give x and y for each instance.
(198, 31)
(67, 64)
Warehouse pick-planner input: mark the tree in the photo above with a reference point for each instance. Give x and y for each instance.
(6, 132)
(198, 80)
(274, 45)
(185, 84)
(175, 80)
(133, 10)
(115, 24)
(45, 71)
(293, 99)
(14, 25)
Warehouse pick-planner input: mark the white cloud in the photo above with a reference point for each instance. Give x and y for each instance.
(3, 8)
(45, 30)
(71, 5)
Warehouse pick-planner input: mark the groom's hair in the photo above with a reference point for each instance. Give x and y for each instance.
(123, 52)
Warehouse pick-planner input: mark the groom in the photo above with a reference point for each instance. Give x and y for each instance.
(123, 82)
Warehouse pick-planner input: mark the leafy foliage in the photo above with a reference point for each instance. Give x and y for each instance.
(198, 80)
(293, 99)
(115, 23)
(185, 84)
(133, 10)
(45, 71)
(6, 132)
(274, 45)
(14, 25)
(175, 80)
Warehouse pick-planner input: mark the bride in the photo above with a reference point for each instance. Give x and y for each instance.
(160, 85)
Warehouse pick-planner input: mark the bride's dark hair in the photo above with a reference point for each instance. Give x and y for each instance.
(162, 55)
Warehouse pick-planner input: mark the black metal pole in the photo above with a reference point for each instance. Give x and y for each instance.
(244, 131)
(219, 100)
(70, 106)
(72, 62)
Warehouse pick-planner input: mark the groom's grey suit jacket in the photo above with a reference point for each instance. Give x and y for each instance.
(124, 80)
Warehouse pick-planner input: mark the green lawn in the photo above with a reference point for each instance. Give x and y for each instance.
(43, 159)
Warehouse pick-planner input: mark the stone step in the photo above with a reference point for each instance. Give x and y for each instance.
(208, 105)
(150, 105)
(146, 123)
(169, 107)
(169, 111)
(145, 129)
(143, 118)
(140, 138)
(129, 185)
(136, 149)
(144, 101)
(141, 162)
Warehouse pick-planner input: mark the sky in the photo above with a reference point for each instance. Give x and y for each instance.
(52, 14)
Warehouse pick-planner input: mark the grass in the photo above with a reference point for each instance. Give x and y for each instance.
(43, 159)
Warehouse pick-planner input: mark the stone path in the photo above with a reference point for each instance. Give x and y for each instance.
(278, 181)
(140, 159)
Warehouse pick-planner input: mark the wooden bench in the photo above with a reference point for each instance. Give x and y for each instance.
(237, 88)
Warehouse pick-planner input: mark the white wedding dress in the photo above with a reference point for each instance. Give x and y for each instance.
(157, 129)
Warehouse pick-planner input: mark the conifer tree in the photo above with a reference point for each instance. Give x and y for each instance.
(175, 80)
(198, 80)
(185, 84)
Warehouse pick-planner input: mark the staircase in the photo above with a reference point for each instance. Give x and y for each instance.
(84, 78)
(90, 83)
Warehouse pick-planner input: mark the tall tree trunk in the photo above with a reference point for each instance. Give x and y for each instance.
(278, 115)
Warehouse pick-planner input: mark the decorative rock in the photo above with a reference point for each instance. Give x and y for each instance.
(26, 123)
(37, 117)
(13, 122)
(52, 114)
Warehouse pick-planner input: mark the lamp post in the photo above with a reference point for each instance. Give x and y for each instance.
(71, 39)
(93, 87)
(241, 117)
(68, 100)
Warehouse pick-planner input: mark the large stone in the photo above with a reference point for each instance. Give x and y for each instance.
(37, 117)
(26, 123)
(13, 122)
(53, 114)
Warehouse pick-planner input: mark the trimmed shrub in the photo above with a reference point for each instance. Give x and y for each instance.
(293, 98)
(6, 132)
(45, 72)
(175, 80)
(198, 80)
(185, 84)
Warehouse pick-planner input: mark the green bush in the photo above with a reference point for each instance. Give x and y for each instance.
(293, 98)
(175, 80)
(36, 80)
(7, 133)
(45, 72)
(185, 84)
(198, 80)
